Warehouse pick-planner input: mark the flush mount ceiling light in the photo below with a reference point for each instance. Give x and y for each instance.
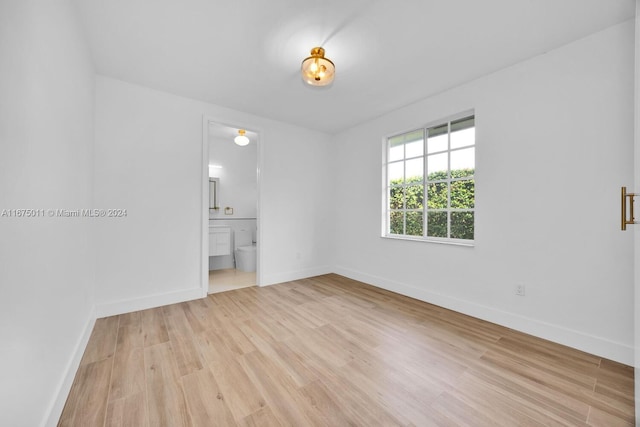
(241, 139)
(316, 69)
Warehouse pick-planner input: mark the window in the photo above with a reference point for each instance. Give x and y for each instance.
(430, 185)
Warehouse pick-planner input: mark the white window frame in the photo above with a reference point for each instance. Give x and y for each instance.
(386, 188)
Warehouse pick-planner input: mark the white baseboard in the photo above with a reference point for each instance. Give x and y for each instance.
(272, 279)
(53, 413)
(599, 346)
(143, 303)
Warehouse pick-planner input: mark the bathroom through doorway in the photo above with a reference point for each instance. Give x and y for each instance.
(232, 214)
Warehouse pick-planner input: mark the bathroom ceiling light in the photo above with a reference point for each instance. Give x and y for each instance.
(316, 69)
(241, 139)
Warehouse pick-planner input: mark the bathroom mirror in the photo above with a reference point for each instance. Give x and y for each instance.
(214, 187)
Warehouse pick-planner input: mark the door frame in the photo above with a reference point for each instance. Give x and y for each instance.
(636, 230)
(204, 184)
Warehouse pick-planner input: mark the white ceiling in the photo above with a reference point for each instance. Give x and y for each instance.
(246, 54)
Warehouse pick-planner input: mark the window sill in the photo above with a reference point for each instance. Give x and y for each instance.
(466, 243)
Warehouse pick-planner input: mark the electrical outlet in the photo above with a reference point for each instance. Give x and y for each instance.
(520, 290)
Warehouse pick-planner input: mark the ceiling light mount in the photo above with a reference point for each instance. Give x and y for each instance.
(316, 69)
(241, 139)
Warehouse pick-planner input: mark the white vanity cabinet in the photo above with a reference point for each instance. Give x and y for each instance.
(219, 240)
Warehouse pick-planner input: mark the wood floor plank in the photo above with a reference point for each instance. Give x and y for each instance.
(205, 400)
(598, 418)
(280, 393)
(290, 296)
(462, 414)
(181, 337)
(130, 336)
(196, 313)
(355, 404)
(293, 364)
(246, 299)
(213, 347)
(128, 363)
(261, 418)
(545, 352)
(623, 397)
(389, 390)
(580, 377)
(267, 328)
(128, 374)
(509, 407)
(622, 409)
(323, 404)
(551, 380)
(531, 394)
(130, 411)
(615, 376)
(102, 343)
(87, 402)
(320, 350)
(293, 323)
(241, 395)
(234, 338)
(229, 308)
(153, 327)
(311, 313)
(428, 364)
(133, 318)
(165, 397)
(332, 351)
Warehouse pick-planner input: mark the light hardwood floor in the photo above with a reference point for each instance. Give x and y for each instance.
(329, 351)
(230, 279)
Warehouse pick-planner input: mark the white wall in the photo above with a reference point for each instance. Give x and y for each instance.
(47, 264)
(554, 145)
(148, 159)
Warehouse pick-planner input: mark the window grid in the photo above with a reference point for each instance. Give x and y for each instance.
(404, 210)
(448, 181)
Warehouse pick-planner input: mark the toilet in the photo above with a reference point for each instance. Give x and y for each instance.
(245, 250)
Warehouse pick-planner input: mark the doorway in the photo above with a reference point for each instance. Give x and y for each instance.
(231, 221)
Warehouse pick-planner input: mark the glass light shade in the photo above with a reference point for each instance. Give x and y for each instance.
(241, 139)
(316, 69)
